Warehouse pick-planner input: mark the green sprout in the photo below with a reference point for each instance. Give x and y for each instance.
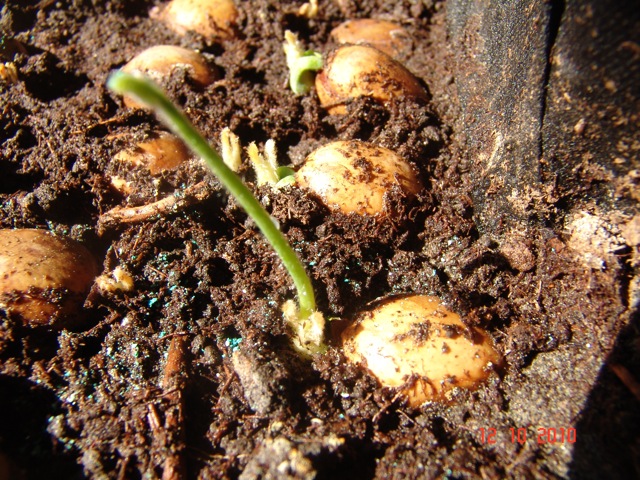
(266, 166)
(302, 64)
(305, 321)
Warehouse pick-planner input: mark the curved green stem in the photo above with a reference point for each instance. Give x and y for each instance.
(302, 69)
(150, 95)
(302, 64)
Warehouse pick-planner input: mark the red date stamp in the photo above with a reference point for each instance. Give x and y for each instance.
(543, 436)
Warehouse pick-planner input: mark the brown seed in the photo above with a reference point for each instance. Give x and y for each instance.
(161, 61)
(417, 344)
(357, 70)
(354, 176)
(43, 278)
(161, 152)
(210, 18)
(387, 37)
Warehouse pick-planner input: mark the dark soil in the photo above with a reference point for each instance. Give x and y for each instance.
(146, 384)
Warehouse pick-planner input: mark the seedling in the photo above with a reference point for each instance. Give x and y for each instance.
(305, 321)
(230, 145)
(265, 165)
(302, 64)
(8, 72)
(309, 9)
(414, 344)
(118, 280)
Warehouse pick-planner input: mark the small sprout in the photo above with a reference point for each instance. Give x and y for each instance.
(418, 345)
(8, 72)
(356, 71)
(213, 19)
(266, 167)
(302, 64)
(161, 152)
(387, 37)
(119, 280)
(354, 176)
(148, 94)
(309, 9)
(231, 151)
(9, 48)
(161, 61)
(43, 278)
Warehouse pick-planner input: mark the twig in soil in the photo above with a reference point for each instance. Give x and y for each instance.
(153, 417)
(173, 383)
(171, 204)
(385, 407)
(100, 123)
(158, 272)
(122, 471)
(226, 385)
(407, 417)
(627, 378)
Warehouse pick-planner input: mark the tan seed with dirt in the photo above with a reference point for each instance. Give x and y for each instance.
(43, 278)
(417, 344)
(387, 37)
(353, 176)
(212, 19)
(361, 71)
(160, 61)
(161, 152)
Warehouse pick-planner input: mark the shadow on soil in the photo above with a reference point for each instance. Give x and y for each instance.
(608, 432)
(24, 439)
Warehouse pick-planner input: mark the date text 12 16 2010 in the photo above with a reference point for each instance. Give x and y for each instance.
(520, 435)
